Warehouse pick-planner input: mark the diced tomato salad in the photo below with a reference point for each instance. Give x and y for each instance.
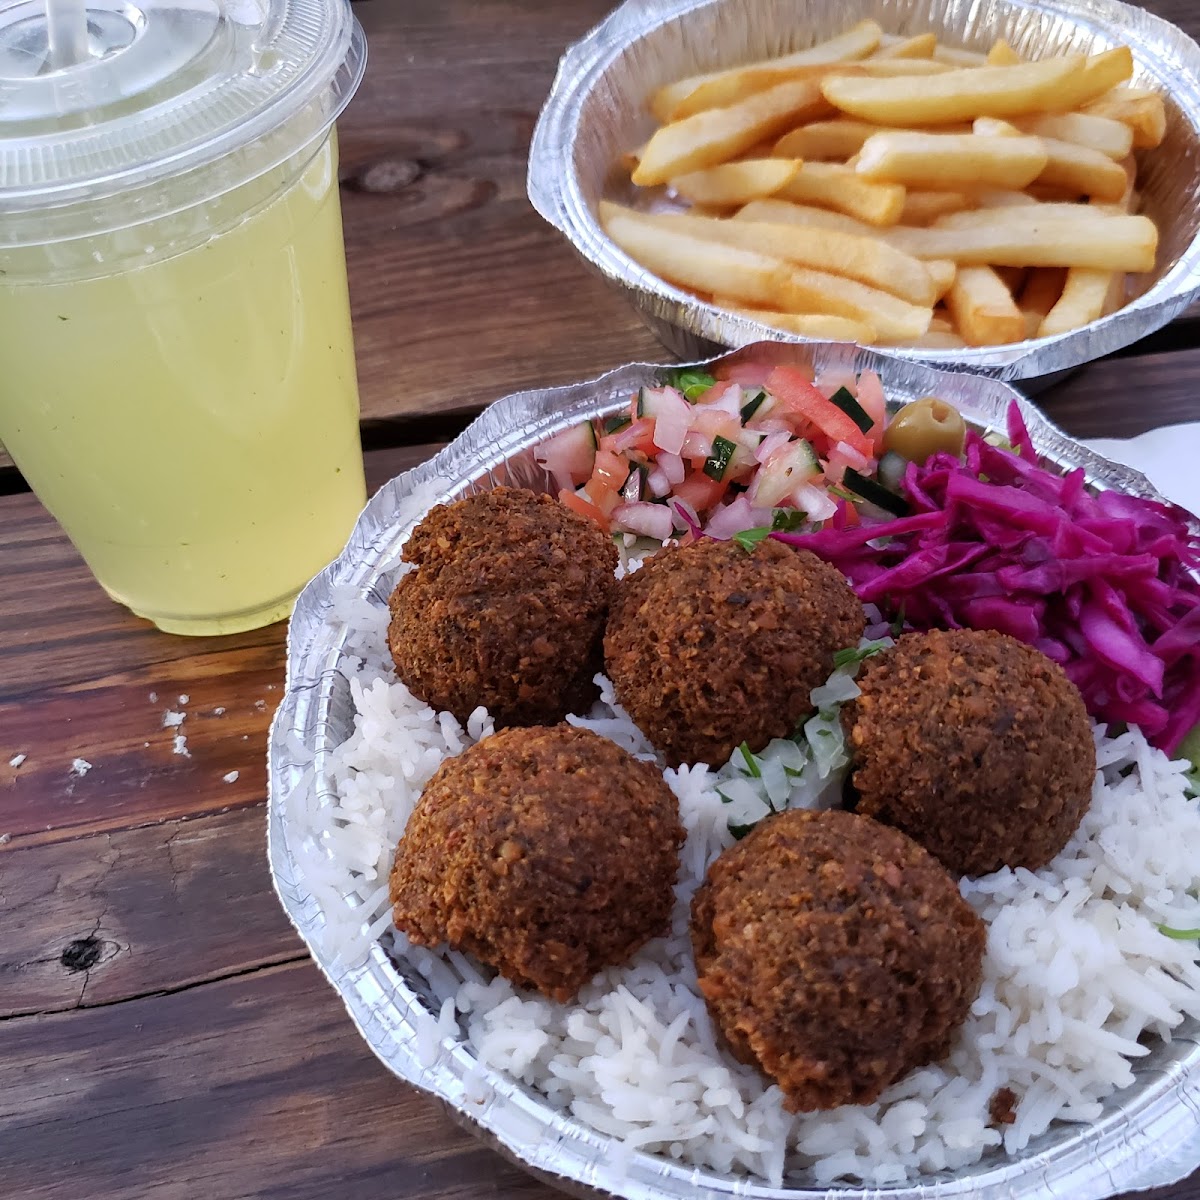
(724, 456)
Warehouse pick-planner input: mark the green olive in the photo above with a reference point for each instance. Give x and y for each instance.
(924, 427)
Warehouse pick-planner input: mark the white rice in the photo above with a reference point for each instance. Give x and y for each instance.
(1076, 969)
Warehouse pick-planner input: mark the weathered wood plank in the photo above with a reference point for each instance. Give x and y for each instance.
(105, 918)
(255, 1086)
(1122, 397)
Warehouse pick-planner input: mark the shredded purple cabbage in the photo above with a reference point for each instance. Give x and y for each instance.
(1105, 585)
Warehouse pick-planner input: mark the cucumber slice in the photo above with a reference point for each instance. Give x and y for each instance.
(852, 409)
(797, 464)
(753, 405)
(612, 424)
(870, 491)
(718, 461)
(635, 487)
(652, 401)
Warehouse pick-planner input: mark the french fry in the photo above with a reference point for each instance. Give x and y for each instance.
(895, 320)
(823, 326)
(784, 212)
(1081, 170)
(735, 183)
(938, 339)
(714, 137)
(920, 208)
(1085, 297)
(959, 58)
(840, 138)
(1021, 237)
(866, 259)
(946, 161)
(983, 309)
(1020, 215)
(857, 42)
(1111, 138)
(876, 177)
(693, 262)
(1099, 74)
(826, 140)
(994, 127)
(942, 271)
(1003, 55)
(921, 46)
(999, 198)
(738, 85)
(953, 96)
(830, 185)
(1042, 289)
(1144, 114)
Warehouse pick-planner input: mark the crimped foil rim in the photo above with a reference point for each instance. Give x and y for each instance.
(555, 191)
(1151, 1140)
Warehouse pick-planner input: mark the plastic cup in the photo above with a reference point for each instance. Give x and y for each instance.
(177, 378)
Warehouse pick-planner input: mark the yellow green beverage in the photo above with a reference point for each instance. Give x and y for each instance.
(180, 391)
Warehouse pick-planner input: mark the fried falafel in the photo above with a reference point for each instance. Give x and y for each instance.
(548, 853)
(835, 954)
(505, 609)
(709, 646)
(976, 745)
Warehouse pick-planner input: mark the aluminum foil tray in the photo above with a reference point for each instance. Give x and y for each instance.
(1148, 1135)
(597, 111)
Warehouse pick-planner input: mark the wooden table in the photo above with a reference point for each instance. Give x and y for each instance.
(162, 1031)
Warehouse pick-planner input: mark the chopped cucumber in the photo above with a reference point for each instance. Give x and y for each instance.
(652, 401)
(612, 424)
(870, 491)
(635, 487)
(753, 405)
(795, 466)
(718, 461)
(852, 409)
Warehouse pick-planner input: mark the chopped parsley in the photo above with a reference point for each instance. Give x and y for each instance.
(691, 383)
(853, 655)
(749, 538)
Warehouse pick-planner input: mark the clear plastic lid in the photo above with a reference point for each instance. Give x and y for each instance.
(164, 89)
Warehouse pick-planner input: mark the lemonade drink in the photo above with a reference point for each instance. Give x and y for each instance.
(193, 423)
(177, 377)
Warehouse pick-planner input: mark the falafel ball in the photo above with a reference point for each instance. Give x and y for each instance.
(709, 646)
(835, 954)
(548, 853)
(506, 608)
(976, 745)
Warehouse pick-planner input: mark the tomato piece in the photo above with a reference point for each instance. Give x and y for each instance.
(790, 387)
(610, 469)
(700, 491)
(873, 402)
(583, 507)
(748, 374)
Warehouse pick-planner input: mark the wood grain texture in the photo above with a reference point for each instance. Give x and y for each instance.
(105, 918)
(256, 1085)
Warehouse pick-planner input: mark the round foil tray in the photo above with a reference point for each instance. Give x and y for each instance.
(596, 111)
(1148, 1134)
